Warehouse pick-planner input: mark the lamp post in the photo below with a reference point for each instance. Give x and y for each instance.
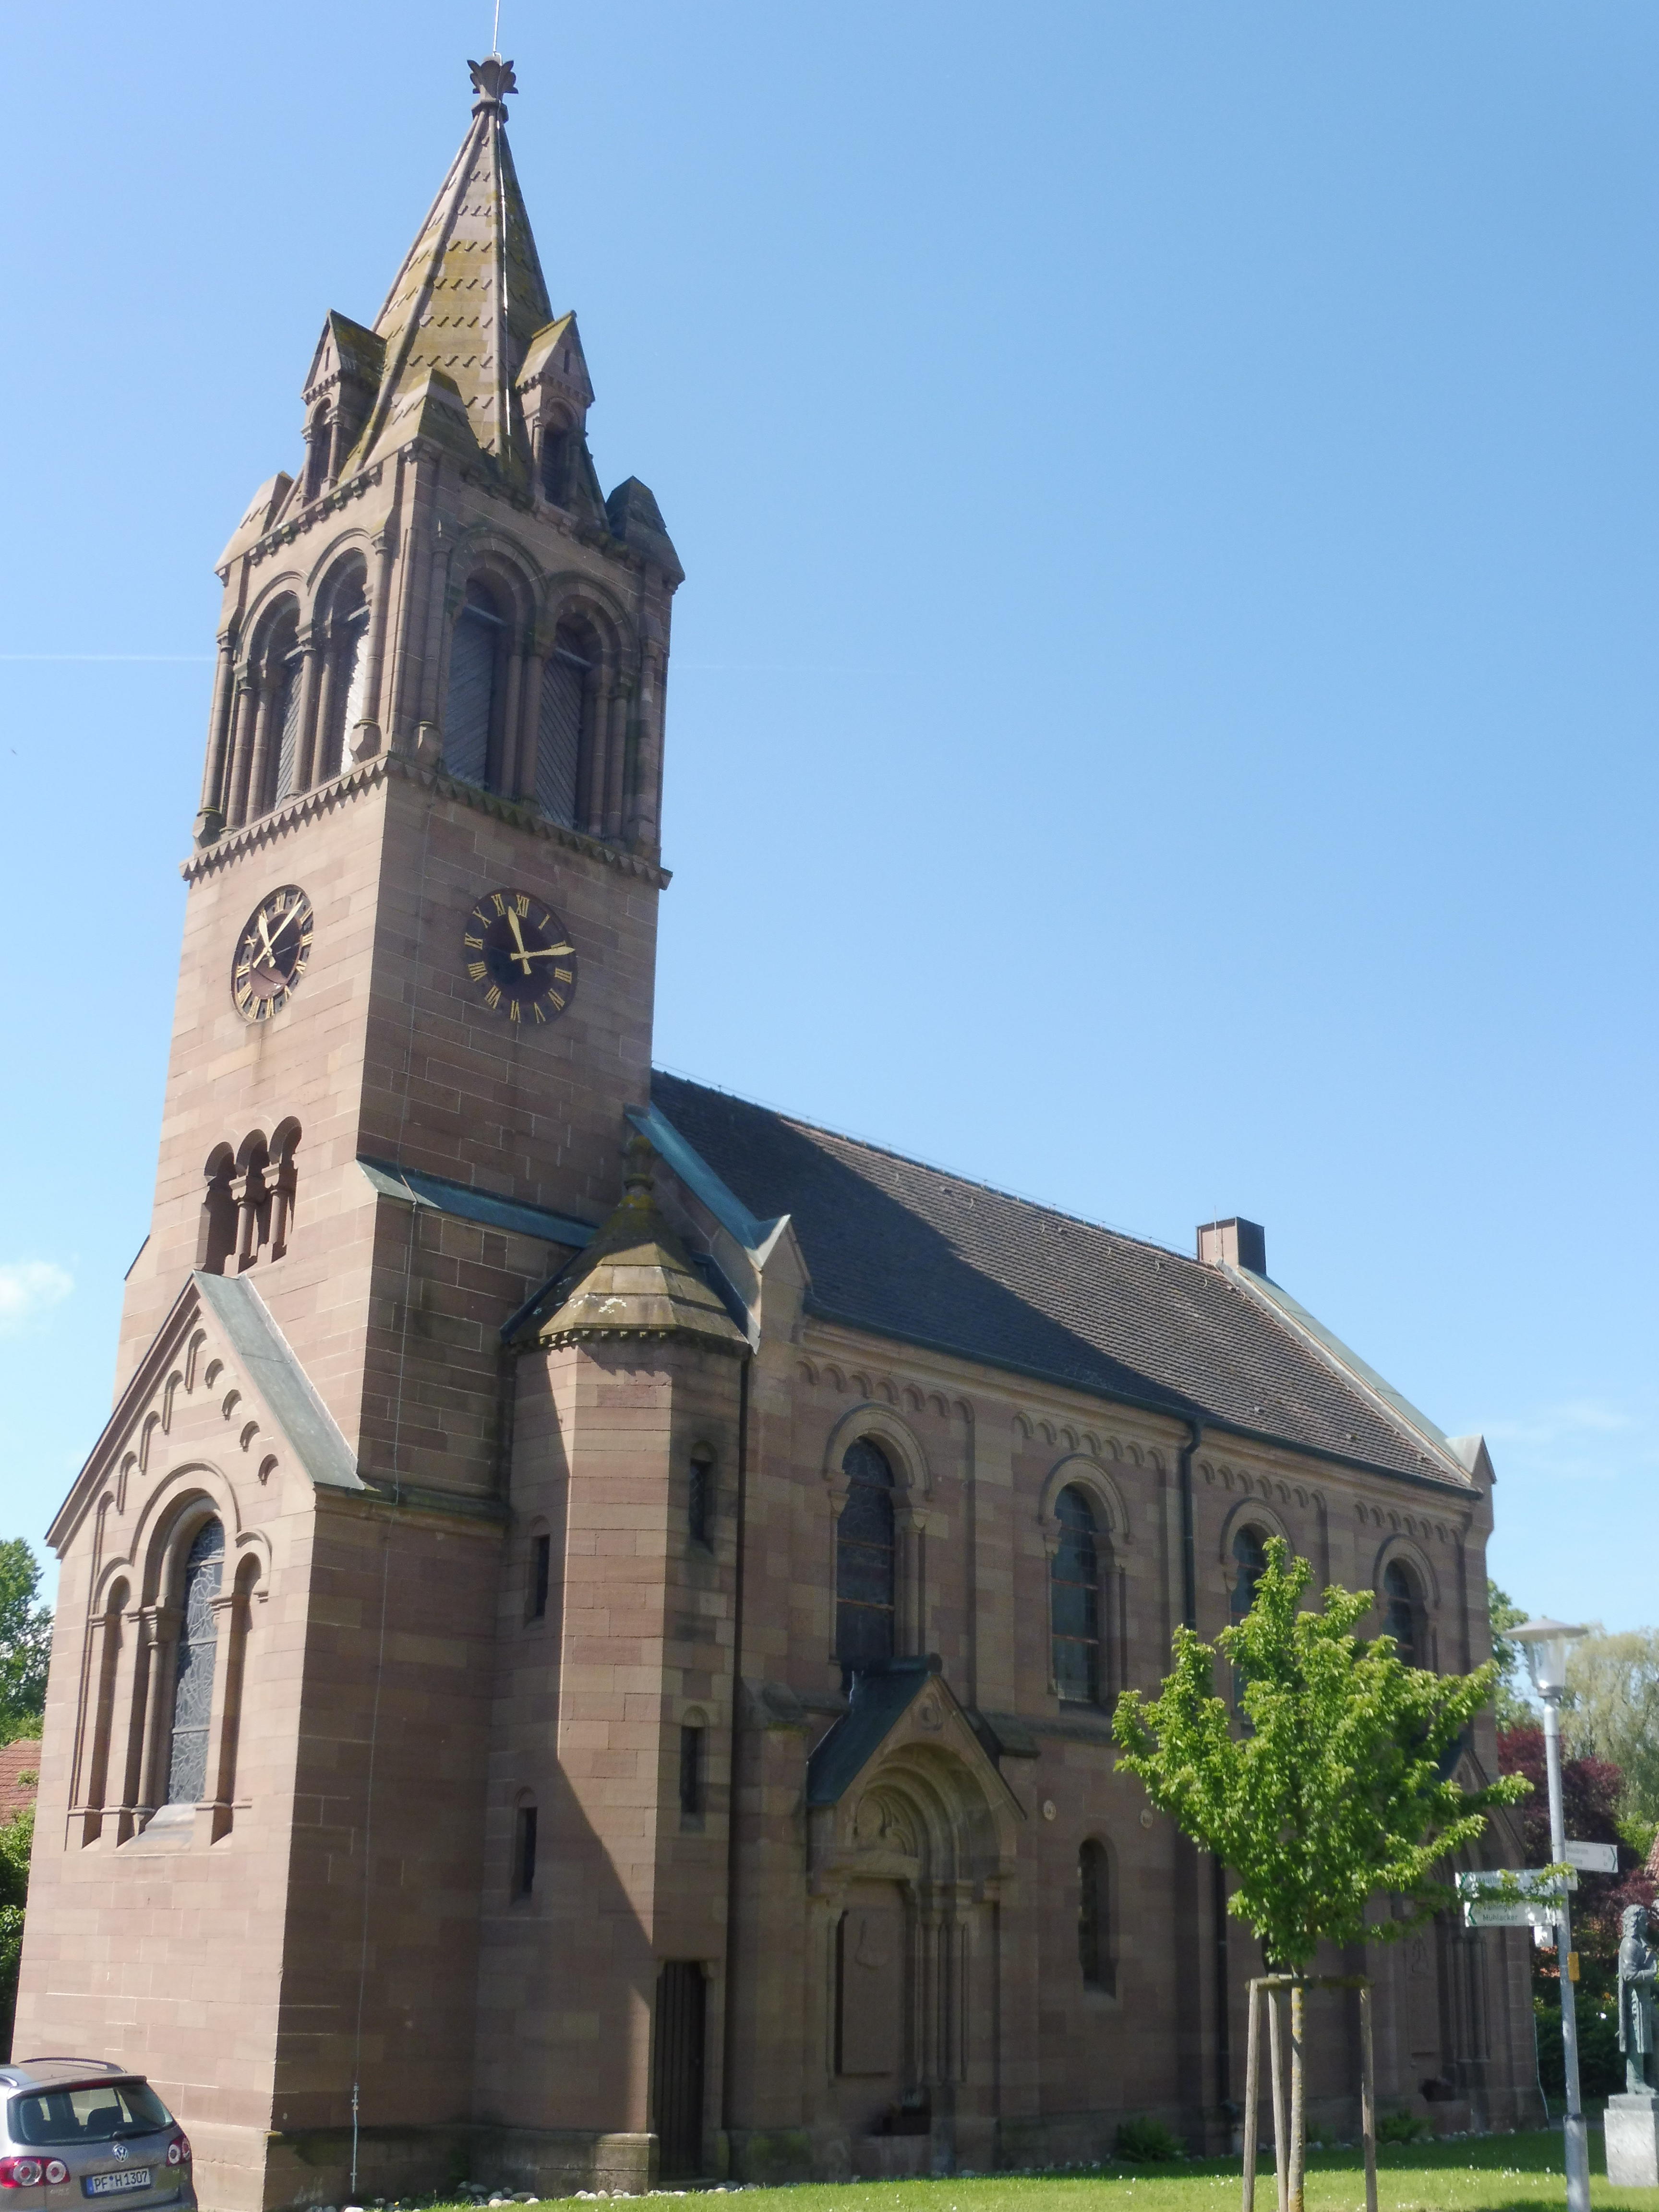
(1546, 1642)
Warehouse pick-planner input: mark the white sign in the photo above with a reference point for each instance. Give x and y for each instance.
(1593, 1858)
(1525, 1881)
(1502, 1913)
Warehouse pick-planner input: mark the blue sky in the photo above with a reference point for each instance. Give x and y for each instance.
(1163, 708)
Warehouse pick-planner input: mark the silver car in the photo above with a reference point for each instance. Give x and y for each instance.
(72, 2128)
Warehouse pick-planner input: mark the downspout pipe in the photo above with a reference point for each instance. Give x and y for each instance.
(1224, 2044)
(728, 2019)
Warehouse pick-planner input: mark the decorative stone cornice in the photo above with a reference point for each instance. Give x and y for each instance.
(319, 510)
(358, 781)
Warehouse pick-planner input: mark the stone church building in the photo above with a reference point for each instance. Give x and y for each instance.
(586, 1642)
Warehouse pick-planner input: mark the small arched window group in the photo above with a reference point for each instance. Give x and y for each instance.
(1079, 1585)
(248, 1205)
(298, 697)
(548, 726)
(865, 1560)
(1094, 1929)
(165, 1682)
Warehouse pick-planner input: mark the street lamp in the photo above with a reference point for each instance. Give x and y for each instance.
(1547, 1643)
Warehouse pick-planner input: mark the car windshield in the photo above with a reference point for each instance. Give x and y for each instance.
(93, 2113)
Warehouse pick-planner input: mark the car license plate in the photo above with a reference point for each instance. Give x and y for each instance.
(110, 2184)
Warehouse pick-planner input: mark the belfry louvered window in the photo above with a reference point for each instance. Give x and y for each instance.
(1074, 1600)
(865, 1561)
(565, 682)
(475, 655)
(192, 1679)
(287, 721)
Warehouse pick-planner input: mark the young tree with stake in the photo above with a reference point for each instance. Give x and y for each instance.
(1336, 1790)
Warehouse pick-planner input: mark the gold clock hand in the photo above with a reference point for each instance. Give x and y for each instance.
(548, 953)
(264, 934)
(522, 954)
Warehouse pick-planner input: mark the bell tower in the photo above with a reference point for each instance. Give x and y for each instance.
(416, 992)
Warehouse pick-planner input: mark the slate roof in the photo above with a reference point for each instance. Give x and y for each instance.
(910, 1251)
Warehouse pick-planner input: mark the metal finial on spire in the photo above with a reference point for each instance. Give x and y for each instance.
(492, 80)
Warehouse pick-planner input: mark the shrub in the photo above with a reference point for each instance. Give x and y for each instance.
(1147, 2143)
(1402, 2127)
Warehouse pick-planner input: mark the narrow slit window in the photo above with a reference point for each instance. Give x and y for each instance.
(691, 1777)
(700, 1508)
(541, 1575)
(524, 1852)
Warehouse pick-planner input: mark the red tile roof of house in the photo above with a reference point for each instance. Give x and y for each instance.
(19, 1774)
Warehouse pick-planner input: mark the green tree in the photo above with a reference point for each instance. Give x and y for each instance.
(1613, 1712)
(1335, 1789)
(25, 1641)
(1513, 1706)
(16, 1836)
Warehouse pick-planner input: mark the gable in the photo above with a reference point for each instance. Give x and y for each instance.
(220, 1380)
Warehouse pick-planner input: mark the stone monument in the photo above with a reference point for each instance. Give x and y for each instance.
(1632, 2120)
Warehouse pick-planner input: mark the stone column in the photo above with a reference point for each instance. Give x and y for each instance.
(213, 1815)
(616, 763)
(211, 821)
(259, 772)
(310, 680)
(246, 706)
(158, 1625)
(385, 543)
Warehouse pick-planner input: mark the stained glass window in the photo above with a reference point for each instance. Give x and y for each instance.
(192, 1681)
(1074, 1600)
(864, 1559)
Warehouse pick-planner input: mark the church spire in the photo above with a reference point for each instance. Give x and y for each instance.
(470, 296)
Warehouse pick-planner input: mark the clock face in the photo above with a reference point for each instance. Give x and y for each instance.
(272, 953)
(519, 959)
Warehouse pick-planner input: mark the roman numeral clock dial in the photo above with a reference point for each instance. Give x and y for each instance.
(271, 954)
(519, 958)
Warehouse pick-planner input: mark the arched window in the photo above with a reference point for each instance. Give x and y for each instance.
(1250, 1563)
(192, 1678)
(472, 734)
(216, 1238)
(345, 666)
(1074, 1599)
(558, 455)
(277, 670)
(1250, 1560)
(565, 731)
(864, 1560)
(318, 440)
(1402, 1612)
(1094, 1916)
(281, 1178)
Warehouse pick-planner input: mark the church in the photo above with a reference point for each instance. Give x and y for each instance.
(587, 1643)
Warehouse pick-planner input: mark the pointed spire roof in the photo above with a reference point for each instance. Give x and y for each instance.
(470, 294)
(636, 1279)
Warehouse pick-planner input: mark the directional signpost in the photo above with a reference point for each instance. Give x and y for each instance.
(1513, 1897)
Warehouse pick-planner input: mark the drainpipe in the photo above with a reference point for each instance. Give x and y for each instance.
(728, 2023)
(1224, 2045)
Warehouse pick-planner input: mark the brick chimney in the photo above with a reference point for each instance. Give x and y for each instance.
(1236, 1243)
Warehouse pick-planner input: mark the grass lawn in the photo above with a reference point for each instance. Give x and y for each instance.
(1482, 2173)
